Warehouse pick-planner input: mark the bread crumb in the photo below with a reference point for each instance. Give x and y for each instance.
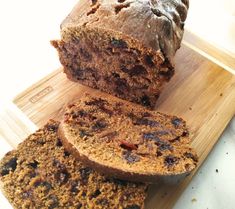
(193, 200)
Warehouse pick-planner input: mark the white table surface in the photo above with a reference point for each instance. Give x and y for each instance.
(27, 26)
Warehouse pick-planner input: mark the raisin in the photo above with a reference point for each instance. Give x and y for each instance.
(135, 71)
(170, 160)
(94, 73)
(62, 176)
(93, 2)
(107, 111)
(163, 145)
(132, 116)
(175, 139)
(52, 127)
(185, 133)
(190, 155)
(145, 101)
(79, 74)
(118, 43)
(85, 54)
(157, 96)
(133, 207)
(128, 146)
(74, 186)
(121, 85)
(85, 173)
(124, 69)
(138, 70)
(147, 122)
(80, 113)
(95, 194)
(54, 201)
(32, 175)
(9, 166)
(149, 60)
(34, 164)
(130, 158)
(67, 154)
(79, 206)
(149, 135)
(59, 143)
(99, 125)
(159, 154)
(176, 122)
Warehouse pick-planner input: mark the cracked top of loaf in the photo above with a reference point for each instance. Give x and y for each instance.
(157, 24)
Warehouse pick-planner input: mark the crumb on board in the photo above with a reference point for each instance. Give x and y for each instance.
(221, 94)
(193, 200)
(190, 108)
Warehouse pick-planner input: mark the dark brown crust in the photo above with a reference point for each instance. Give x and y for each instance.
(116, 173)
(156, 24)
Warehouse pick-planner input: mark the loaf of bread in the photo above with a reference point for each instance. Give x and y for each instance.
(41, 174)
(127, 141)
(122, 47)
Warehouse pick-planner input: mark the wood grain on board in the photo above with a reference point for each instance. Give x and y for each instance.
(200, 92)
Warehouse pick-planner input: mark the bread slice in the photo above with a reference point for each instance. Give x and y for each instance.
(127, 141)
(40, 173)
(123, 47)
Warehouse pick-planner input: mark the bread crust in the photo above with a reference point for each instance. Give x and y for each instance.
(159, 25)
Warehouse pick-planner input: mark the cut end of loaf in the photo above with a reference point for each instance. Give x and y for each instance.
(114, 64)
(40, 173)
(126, 141)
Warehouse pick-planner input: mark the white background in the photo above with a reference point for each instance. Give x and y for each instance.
(27, 26)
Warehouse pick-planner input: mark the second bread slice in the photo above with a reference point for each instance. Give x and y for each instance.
(127, 141)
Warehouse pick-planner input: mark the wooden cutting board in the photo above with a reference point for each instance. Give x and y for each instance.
(201, 92)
